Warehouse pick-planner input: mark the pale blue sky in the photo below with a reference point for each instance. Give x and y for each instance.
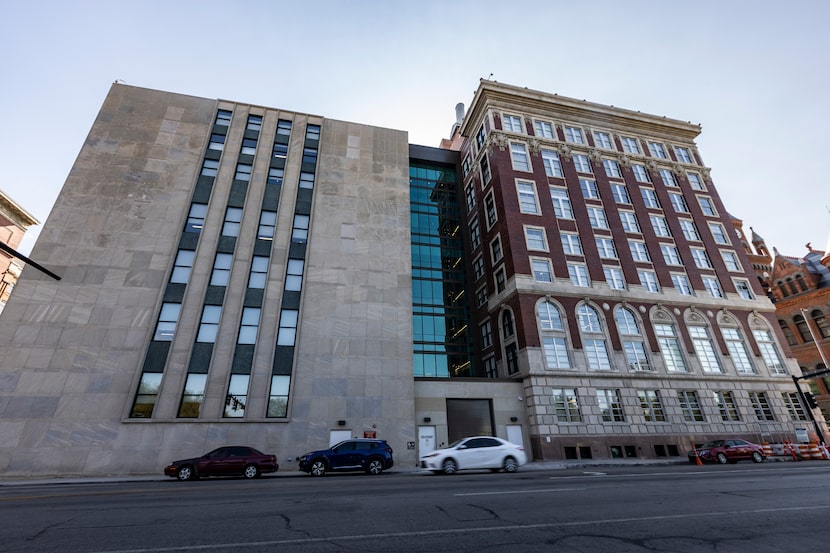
(754, 74)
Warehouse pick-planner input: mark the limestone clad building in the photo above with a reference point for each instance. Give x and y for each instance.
(560, 274)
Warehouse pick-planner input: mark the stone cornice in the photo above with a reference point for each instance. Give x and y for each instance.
(15, 213)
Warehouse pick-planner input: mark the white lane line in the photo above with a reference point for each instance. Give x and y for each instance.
(547, 490)
(449, 531)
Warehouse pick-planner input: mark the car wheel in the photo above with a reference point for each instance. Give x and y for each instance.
(186, 473)
(449, 466)
(757, 457)
(318, 468)
(375, 466)
(722, 458)
(251, 471)
(510, 465)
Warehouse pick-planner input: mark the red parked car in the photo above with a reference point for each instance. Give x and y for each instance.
(225, 461)
(728, 451)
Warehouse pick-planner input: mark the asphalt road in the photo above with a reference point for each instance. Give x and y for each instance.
(777, 507)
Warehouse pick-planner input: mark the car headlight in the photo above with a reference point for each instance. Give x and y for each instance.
(428, 455)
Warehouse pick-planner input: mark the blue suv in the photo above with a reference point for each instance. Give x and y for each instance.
(368, 455)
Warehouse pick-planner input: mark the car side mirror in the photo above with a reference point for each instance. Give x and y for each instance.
(462, 447)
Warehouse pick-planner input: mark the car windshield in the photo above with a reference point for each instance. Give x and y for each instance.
(456, 442)
(713, 443)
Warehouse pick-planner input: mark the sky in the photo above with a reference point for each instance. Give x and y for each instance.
(753, 73)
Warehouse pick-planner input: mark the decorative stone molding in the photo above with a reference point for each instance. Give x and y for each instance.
(624, 160)
(533, 146)
(498, 139)
(564, 151)
(595, 156)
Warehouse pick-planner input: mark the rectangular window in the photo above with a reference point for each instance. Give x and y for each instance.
(695, 181)
(629, 222)
(620, 193)
(640, 173)
(638, 250)
(612, 168)
(651, 406)
(794, 407)
(209, 324)
(743, 288)
(670, 254)
(597, 354)
(495, 250)
(556, 352)
(243, 172)
(606, 248)
(501, 281)
(719, 234)
(603, 140)
(287, 333)
(490, 210)
(614, 278)
(730, 259)
(221, 269)
(761, 406)
(470, 196)
(223, 118)
(527, 197)
(486, 335)
(259, 270)
(478, 267)
(284, 127)
(570, 243)
(635, 355)
(574, 134)
(660, 226)
(726, 406)
(518, 153)
(490, 369)
(465, 165)
(630, 145)
(146, 395)
(275, 175)
(553, 167)
(541, 270)
(481, 295)
(312, 132)
(278, 396)
(668, 177)
(596, 215)
(578, 275)
(648, 279)
(310, 156)
(738, 351)
(168, 319)
(682, 154)
(254, 123)
(485, 171)
(701, 258)
(543, 129)
(192, 396)
(217, 142)
(561, 203)
(681, 284)
(705, 350)
(267, 225)
(306, 180)
(589, 189)
(248, 146)
(712, 286)
(706, 206)
(299, 231)
(233, 219)
(670, 348)
(566, 405)
(475, 233)
(535, 239)
(582, 164)
(209, 168)
(237, 399)
(182, 266)
(512, 123)
(196, 218)
(280, 151)
(294, 275)
(769, 351)
(610, 405)
(678, 202)
(689, 230)
(480, 137)
(650, 198)
(690, 406)
(656, 149)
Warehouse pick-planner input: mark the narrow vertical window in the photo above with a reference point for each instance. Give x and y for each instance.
(278, 396)
(146, 396)
(193, 396)
(237, 399)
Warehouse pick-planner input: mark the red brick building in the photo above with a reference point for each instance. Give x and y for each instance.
(14, 221)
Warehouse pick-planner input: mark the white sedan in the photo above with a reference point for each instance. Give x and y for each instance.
(476, 452)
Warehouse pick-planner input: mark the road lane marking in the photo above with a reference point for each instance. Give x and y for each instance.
(450, 531)
(521, 492)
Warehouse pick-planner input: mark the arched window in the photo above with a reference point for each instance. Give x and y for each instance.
(821, 323)
(552, 335)
(632, 340)
(800, 284)
(593, 338)
(788, 332)
(738, 350)
(669, 343)
(705, 349)
(803, 329)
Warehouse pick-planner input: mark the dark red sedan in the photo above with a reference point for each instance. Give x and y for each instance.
(226, 461)
(727, 451)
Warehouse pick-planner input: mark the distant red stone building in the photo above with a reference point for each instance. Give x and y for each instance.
(14, 221)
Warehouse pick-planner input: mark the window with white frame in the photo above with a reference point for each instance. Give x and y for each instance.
(705, 350)
(566, 405)
(593, 338)
(630, 145)
(478, 267)
(508, 329)
(549, 317)
(712, 285)
(681, 284)
(465, 165)
(794, 407)
(761, 407)
(541, 270)
(769, 351)
(620, 193)
(527, 197)
(689, 230)
(582, 163)
(632, 340)
(695, 181)
(578, 274)
(486, 335)
(536, 239)
(512, 123)
(638, 250)
(552, 331)
(690, 406)
(701, 258)
(561, 203)
(651, 406)
(670, 254)
(550, 160)
(727, 407)
(707, 206)
(518, 154)
(650, 198)
(596, 215)
(543, 129)
(660, 226)
(640, 172)
(603, 140)
(648, 279)
(209, 324)
(612, 168)
(670, 348)
(574, 135)
(682, 154)
(475, 233)
(719, 234)
(570, 243)
(589, 189)
(629, 222)
(730, 259)
(738, 351)
(657, 150)
(678, 202)
(501, 280)
(495, 250)
(610, 405)
(605, 247)
(743, 288)
(485, 170)
(480, 136)
(614, 277)
(668, 177)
